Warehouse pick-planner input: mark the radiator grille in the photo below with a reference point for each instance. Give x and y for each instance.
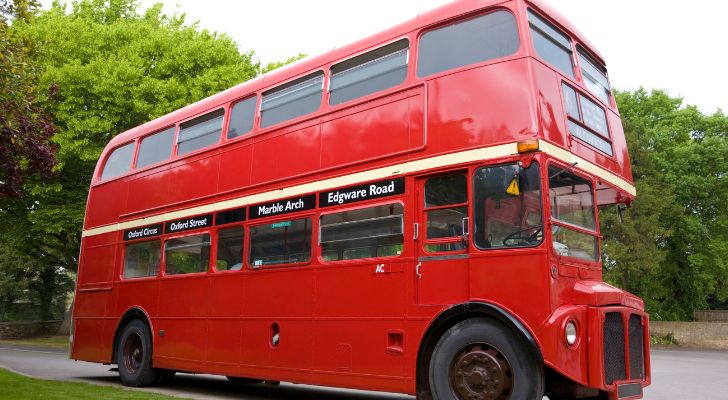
(615, 368)
(636, 348)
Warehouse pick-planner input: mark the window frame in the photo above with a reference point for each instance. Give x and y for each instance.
(555, 221)
(414, 64)
(230, 106)
(408, 49)
(166, 238)
(582, 52)
(215, 240)
(126, 244)
(172, 152)
(517, 162)
(549, 24)
(337, 210)
(424, 210)
(247, 250)
(581, 123)
(282, 86)
(132, 163)
(225, 118)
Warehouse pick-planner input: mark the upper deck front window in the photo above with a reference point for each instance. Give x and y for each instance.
(573, 215)
(595, 78)
(551, 44)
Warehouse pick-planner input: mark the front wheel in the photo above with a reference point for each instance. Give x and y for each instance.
(480, 359)
(134, 356)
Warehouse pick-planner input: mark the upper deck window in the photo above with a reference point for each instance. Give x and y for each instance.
(595, 78)
(369, 73)
(200, 132)
(242, 117)
(293, 99)
(155, 148)
(474, 40)
(551, 44)
(119, 162)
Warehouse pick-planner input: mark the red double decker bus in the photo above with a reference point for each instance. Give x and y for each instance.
(415, 212)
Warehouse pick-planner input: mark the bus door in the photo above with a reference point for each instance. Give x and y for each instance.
(442, 238)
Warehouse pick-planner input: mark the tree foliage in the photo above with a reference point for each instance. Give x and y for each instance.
(112, 67)
(25, 128)
(672, 248)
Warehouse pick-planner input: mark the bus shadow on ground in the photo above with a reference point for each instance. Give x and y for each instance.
(207, 386)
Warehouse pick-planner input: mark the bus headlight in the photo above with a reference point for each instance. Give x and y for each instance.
(570, 333)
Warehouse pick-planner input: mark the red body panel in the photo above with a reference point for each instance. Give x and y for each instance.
(356, 323)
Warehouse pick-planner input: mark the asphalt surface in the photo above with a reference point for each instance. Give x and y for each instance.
(677, 374)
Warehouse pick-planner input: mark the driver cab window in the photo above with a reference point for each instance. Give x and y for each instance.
(507, 207)
(446, 212)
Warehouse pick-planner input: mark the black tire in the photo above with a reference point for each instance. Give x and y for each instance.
(134, 356)
(481, 359)
(242, 381)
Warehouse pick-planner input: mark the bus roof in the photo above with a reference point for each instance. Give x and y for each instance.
(310, 64)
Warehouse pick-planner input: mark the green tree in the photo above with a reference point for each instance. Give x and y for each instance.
(25, 128)
(671, 249)
(114, 67)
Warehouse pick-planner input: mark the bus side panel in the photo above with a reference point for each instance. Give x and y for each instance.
(351, 300)
(183, 306)
(480, 107)
(193, 178)
(105, 203)
(150, 190)
(282, 296)
(225, 327)
(235, 167)
(291, 153)
(88, 338)
(392, 123)
(494, 274)
(134, 293)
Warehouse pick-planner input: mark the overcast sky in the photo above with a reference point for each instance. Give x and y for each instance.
(665, 44)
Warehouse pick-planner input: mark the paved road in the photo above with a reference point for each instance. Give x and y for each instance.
(676, 375)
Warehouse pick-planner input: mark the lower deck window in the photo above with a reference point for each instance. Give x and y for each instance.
(230, 249)
(141, 259)
(363, 233)
(284, 242)
(187, 255)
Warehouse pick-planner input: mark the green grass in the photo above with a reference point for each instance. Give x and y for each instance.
(13, 386)
(56, 342)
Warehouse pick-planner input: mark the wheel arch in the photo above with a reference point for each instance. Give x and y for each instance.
(459, 313)
(128, 316)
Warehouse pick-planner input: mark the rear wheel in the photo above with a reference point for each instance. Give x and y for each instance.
(134, 357)
(480, 359)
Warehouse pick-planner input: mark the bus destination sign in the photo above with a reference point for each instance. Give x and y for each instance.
(352, 194)
(188, 224)
(280, 207)
(143, 232)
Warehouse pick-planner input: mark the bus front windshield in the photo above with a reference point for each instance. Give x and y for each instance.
(507, 207)
(573, 215)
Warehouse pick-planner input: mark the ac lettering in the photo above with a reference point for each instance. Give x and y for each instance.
(379, 269)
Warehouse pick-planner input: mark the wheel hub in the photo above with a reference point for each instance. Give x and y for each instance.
(481, 372)
(133, 353)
